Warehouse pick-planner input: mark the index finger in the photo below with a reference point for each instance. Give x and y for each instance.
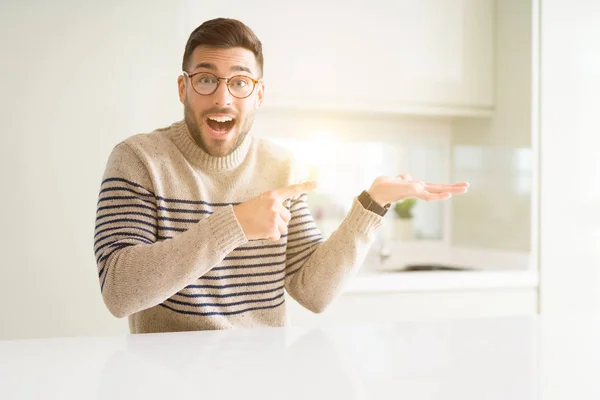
(294, 190)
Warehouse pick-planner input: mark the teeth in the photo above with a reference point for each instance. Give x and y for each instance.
(221, 119)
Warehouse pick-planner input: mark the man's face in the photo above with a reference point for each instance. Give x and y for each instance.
(207, 116)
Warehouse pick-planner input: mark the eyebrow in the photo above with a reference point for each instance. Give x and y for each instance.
(213, 67)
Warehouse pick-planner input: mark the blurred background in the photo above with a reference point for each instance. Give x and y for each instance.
(501, 93)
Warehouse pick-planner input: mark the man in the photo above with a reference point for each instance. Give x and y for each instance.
(201, 226)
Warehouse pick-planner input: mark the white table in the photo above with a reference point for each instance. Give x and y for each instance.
(506, 358)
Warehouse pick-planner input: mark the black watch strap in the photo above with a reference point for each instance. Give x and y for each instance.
(369, 204)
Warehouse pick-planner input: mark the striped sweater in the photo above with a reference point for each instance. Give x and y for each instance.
(172, 256)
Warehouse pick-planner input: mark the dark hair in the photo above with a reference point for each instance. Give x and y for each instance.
(224, 33)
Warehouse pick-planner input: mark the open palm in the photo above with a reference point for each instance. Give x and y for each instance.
(387, 189)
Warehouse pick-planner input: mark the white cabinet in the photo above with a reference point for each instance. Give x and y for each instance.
(370, 56)
(381, 297)
(405, 306)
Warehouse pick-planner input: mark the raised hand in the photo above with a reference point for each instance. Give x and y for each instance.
(265, 216)
(386, 189)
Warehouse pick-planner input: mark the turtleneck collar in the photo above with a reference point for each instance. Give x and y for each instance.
(199, 158)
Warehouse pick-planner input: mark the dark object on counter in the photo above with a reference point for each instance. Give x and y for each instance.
(430, 267)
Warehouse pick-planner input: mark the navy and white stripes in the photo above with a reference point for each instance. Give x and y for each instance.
(251, 277)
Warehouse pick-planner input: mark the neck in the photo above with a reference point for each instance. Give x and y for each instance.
(200, 158)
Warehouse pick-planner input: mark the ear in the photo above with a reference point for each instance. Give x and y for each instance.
(260, 94)
(181, 88)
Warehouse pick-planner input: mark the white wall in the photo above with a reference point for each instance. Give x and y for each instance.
(77, 77)
(570, 156)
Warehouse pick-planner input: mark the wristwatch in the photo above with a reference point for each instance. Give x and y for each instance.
(369, 204)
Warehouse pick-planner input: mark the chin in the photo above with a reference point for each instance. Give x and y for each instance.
(219, 149)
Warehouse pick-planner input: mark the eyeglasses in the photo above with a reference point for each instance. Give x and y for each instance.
(205, 83)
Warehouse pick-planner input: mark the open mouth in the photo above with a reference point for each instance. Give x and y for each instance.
(220, 125)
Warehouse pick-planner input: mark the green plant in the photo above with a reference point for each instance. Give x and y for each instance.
(403, 208)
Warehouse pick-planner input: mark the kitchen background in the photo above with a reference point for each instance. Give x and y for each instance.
(445, 90)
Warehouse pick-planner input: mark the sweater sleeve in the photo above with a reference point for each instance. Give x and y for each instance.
(317, 269)
(137, 268)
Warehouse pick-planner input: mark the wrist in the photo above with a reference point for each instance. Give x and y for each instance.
(376, 198)
(371, 204)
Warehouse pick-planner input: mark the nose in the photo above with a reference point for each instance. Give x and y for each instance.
(221, 96)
